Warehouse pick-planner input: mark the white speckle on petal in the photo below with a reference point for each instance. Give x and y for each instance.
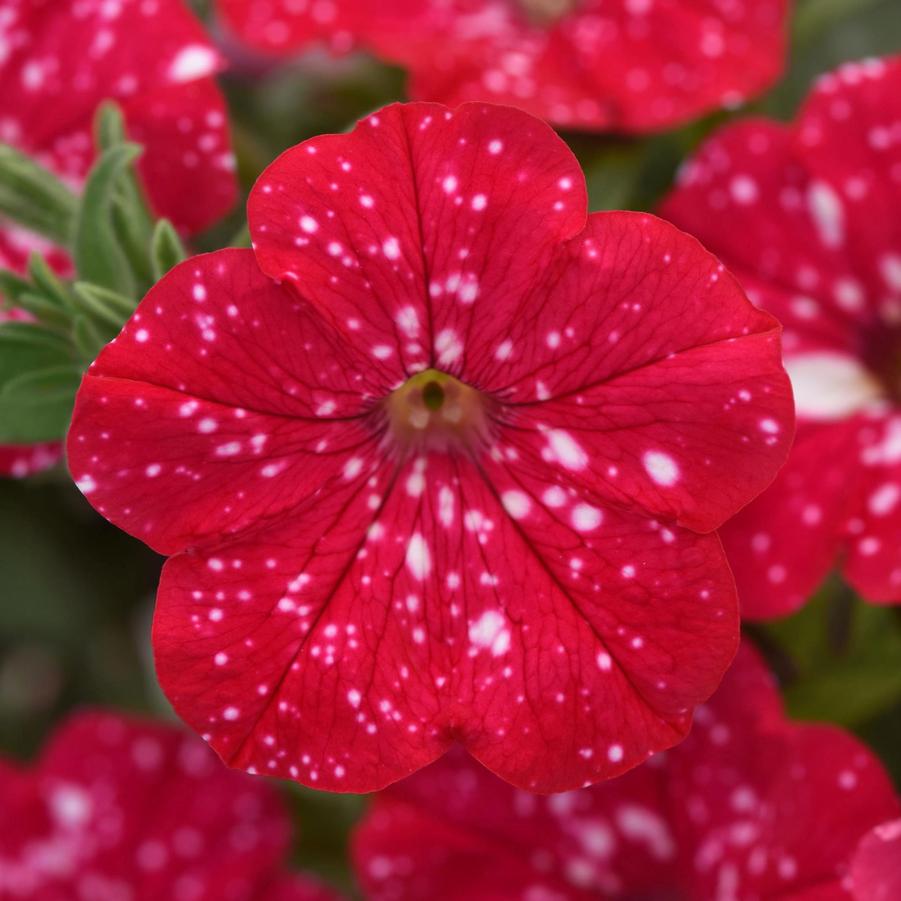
(419, 560)
(516, 503)
(661, 467)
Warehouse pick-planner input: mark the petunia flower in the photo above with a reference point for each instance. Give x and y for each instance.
(58, 61)
(438, 461)
(806, 215)
(623, 65)
(751, 806)
(286, 27)
(116, 808)
(876, 867)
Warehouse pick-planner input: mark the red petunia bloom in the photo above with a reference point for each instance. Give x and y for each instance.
(285, 27)
(58, 61)
(876, 867)
(750, 806)
(807, 217)
(116, 808)
(625, 65)
(437, 461)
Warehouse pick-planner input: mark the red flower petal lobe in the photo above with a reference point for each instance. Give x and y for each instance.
(876, 869)
(120, 807)
(156, 61)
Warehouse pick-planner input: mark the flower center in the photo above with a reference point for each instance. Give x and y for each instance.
(435, 411)
(545, 12)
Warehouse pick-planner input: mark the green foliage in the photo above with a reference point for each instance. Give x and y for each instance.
(841, 657)
(119, 250)
(166, 249)
(34, 197)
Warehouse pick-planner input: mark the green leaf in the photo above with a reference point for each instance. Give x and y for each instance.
(47, 280)
(131, 214)
(813, 17)
(107, 307)
(26, 347)
(37, 406)
(12, 286)
(843, 655)
(34, 197)
(109, 125)
(99, 253)
(168, 251)
(241, 238)
(87, 337)
(44, 309)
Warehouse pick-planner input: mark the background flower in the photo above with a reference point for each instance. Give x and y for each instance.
(804, 216)
(751, 805)
(58, 62)
(120, 808)
(626, 65)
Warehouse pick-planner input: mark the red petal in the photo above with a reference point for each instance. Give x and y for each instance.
(778, 815)
(749, 198)
(220, 379)
(803, 215)
(486, 627)
(783, 545)
(188, 165)
(20, 460)
(155, 59)
(748, 806)
(651, 371)
(453, 831)
(396, 230)
(844, 132)
(873, 562)
(284, 27)
(624, 66)
(876, 868)
(119, 806)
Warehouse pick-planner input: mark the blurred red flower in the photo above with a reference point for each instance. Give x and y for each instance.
(437, 461)
(876, 867)
(623, 65)
(749, 806)
(285, 27)
(119, 808)
(806, 216)
(58, 61)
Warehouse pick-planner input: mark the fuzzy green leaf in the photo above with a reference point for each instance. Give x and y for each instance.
(27, 347)
(168, 251)
(99, 253)
(34, 197)
(37, 405)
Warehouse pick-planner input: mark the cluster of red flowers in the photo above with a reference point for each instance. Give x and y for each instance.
(749, 806)
(58, 62)
(441, 461)
(806, 216)
(122, 810)
(622, 65)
